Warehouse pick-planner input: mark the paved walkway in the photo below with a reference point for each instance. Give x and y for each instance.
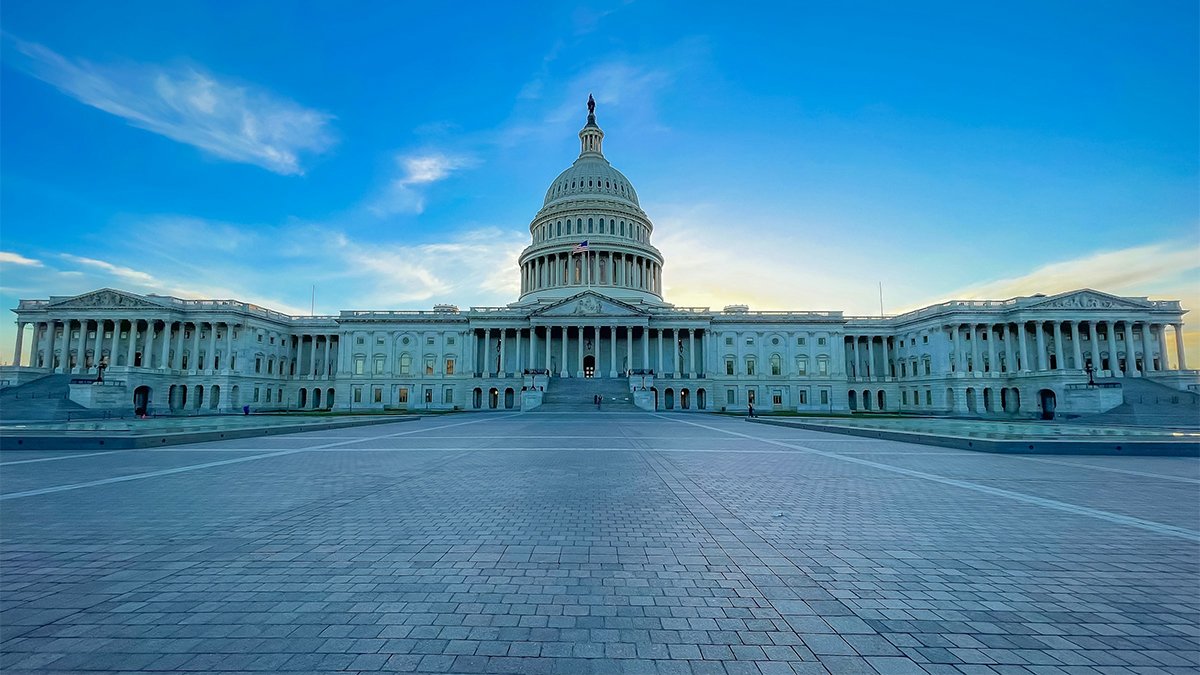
(596, 543)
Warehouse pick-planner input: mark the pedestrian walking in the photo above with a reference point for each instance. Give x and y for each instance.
(750, 406)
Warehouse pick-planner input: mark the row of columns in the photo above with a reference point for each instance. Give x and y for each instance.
(164, 344)
(155, 343)
(594, 268)
(1015, 339)
(540, 356)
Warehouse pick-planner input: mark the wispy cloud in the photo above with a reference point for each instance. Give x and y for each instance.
(406, 194)
(1132, 270)
(235, 121)
(8, 258)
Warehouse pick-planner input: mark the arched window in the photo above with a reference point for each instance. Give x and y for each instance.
(579, 225)
(776, 365)
(622, 228)
(405, 363)
(590, 226)
(568, 227)
(560, 228)
(601, 226)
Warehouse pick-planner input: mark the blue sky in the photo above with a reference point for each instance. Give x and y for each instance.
(791, 157)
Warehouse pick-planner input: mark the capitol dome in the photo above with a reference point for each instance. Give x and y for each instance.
(591, 233)
(591, 177)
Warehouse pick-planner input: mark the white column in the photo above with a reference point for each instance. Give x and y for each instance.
(131, 350)
(1130, 350)
(976, 357)
(503, 355)
(51, 335)
(1059, 355)
(1181, 358)
(691, 353)
(148, 352)
(20, 341)
(194, 361)
(871, 373)
(677, 358)
(1021, 341)
(658, 366)
(563, 371)
(993, 361)
(325, 361)
(178, 360)
(1147, 349)
(533, 348)
(517, 354)
(549, 342)
(1043, 361)
(629, 348)
(1114, 363)
(1076, 348)
(229, 328)
(579, 373)
(311, 365)
(66, 350)
(164, 360)
(211, 354)
(645, 348)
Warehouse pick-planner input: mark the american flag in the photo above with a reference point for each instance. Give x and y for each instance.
(580, 248)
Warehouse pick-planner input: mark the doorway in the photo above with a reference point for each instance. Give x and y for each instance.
(1046, 398)
(589, 366)
(141, 399)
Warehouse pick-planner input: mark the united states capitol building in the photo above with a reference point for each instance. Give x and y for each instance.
(593, 321)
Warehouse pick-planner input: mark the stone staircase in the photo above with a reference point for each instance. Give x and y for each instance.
(42, 400)
(574, 394)
(1149, 404)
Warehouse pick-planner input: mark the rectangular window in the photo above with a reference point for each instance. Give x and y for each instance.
(749, 367)
(824, 397)
(925, 339)
(750, 341)
(360, 340)
(822, 368)
(268, 396)
(379, 394)
(450, 340)
(802, 367)
(259, 336)
(279, 396)
(904, 397)
(378, 339)
(428, 394)
(257, 364)
(402, 397)
(358, 394)
(448, 396)
(270, 367)
(776, 368)
(821, 342)
(272, 339)
(730, 396)
(777, 398)
(729, 366)
(359, 364)
(378, 365)
(256, 394)
(800, 341)
(750, 396)
(729, 342)
(449, 366)
(429, 365)
(928, 397)
(803, 397)
(428, 340)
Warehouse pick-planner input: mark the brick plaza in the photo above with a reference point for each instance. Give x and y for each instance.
(596, 543)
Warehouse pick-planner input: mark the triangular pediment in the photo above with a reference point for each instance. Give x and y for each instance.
(105, 298)
(589, 304)
(1087, 299)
